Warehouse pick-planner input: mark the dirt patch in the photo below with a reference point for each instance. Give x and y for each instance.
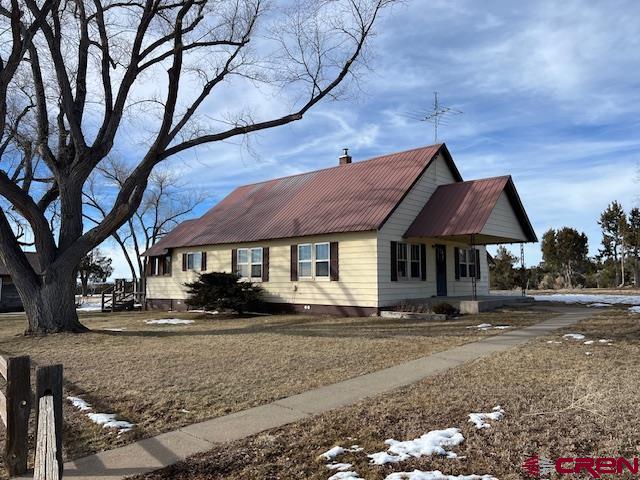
(559, 401)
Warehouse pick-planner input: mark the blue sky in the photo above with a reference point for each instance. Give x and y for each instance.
(549, 90)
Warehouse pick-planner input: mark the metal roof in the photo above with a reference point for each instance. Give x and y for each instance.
(463, 208)
(355, 197)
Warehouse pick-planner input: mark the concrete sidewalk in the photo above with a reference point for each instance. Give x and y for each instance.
(168, 448)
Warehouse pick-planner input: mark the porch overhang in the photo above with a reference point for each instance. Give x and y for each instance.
(479, 212)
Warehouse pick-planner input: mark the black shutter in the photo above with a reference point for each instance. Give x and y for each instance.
(423, 261)
(160, 263)
(168, 262)
(478, 263)
(294, 263)
(184, 262)
(203, 262)
(394, 261)
(334, 264)
(147, 266)
(265, 264)
(456, 261)
(234, 261)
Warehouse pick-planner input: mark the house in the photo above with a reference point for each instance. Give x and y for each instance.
(349, 239)
(9, 298)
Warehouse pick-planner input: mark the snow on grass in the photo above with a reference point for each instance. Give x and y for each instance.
(480, 419)
(114, 329)
(434, 442)
(169, 321)
(606, 341)
(589, 342)
(553, 341)
(332, 453)
(341, 467)
(107, 420)
(635, 309)
(599, 305)
(574, 336)
(488, 326)
(590, 299)
(588, 353)
(80, 404)
(434, 475)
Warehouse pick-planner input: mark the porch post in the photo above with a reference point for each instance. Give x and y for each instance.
(523, 272)
(474, 278)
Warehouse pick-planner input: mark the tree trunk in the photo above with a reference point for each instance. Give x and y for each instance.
(51, 306)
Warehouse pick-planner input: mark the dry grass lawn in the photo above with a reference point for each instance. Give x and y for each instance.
(558, 401)
(162, 377)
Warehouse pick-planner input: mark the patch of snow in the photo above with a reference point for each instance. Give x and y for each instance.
(431, 443)
(588, 353)
(488, 326)
(605, 340)
(332, 453)
(435, 475)
(114, 329)
(341, 467)
(79, 403)
(107, 420)
(589, 342)
(214, 312)
(346, 476)
(553, 341)
(481, 326)
(169, 321)
(589, 299)
(635, 309)
(599, 305)
(480, 419)
(574, 336)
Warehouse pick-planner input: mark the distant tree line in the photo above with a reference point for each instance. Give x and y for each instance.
(565, 257)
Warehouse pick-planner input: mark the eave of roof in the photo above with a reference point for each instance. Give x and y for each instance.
(462, 209)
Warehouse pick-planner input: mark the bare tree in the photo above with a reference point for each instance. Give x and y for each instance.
(81, 70)
(166, 202)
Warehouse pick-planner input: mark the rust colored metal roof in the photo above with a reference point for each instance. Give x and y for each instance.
(463, 209)
(347, 198)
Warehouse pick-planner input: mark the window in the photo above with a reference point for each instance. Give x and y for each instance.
(250, 263)
(402, 260)
(305, 260)
(467, 263)
(194, 261)
(166, 267)
(322, 259)
(415, 261)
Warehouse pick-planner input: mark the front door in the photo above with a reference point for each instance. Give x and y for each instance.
(441, 270)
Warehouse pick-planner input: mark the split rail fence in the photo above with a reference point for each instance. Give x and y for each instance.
(16, 404)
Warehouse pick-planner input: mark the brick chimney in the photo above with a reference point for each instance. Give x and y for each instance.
(345, 158)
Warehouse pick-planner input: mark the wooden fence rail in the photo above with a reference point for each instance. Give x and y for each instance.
(48, 464)
(15, 409)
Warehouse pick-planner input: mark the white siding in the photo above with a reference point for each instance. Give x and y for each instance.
(503, 221)
(357, 285)
(392, 292)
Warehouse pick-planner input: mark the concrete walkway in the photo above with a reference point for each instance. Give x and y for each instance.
(168, 448)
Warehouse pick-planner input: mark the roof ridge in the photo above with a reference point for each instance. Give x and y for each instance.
(438, 145)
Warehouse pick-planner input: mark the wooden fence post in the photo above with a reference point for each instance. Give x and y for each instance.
(49, 382)
(18, 412)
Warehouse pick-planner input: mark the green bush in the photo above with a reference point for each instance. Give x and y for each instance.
(224, 291)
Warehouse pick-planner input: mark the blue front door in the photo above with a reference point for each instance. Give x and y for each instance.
(441, 270)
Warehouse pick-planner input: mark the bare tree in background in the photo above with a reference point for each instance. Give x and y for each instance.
(74, 75)
(167, 201)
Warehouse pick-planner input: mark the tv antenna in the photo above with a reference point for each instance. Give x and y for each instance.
(439, 115)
